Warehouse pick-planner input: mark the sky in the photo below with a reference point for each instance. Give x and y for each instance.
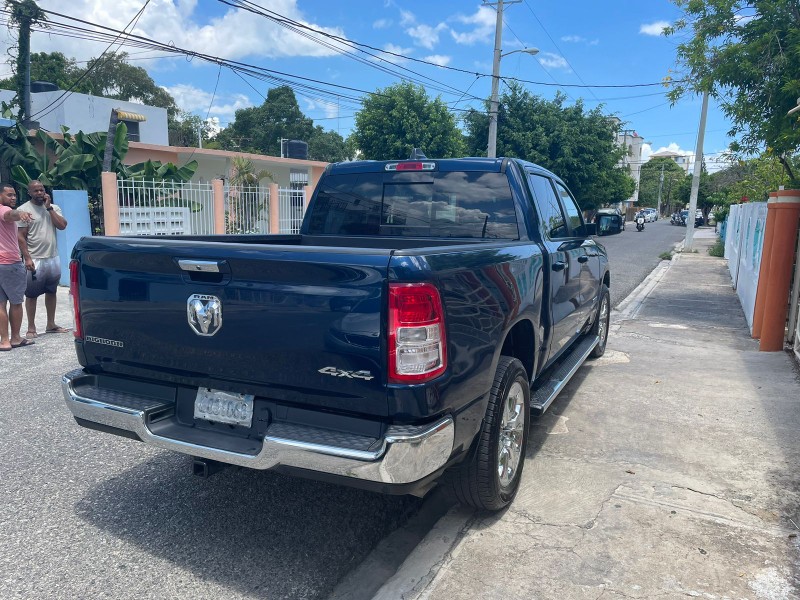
(603, 53)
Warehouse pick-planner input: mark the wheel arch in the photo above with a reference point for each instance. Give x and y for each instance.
(520, 343)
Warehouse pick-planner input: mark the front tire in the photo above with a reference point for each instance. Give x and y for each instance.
(490, 480)
(600, 327)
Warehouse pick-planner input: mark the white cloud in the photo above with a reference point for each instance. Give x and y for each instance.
(195, 100)
(398, 60)
(233, 35)
(655, 29)
(407, 18)
(382, 24)
(330, 109)
(647, 151)
(573, 38)
(484, 21)
(553, 61)
(425, 35)
(439, 59)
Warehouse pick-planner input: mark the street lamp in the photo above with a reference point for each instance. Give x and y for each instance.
(492, 148)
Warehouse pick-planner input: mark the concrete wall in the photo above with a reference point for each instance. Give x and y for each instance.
(74, 205)
(81, 112)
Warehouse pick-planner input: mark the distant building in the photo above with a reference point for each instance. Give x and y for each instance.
(82, 112)
(632, 142)
(685, 161)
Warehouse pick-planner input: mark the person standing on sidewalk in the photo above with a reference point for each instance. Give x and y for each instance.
(37, 241)
(12, 271)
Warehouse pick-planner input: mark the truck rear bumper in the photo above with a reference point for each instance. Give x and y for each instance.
(405, 454)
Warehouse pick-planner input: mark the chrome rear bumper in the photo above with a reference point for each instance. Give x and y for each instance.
(405, 454)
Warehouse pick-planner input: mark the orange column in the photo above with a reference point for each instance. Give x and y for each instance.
(763, 272)
(274, 209)
(218, 189)
(786, 206)
(108, 181)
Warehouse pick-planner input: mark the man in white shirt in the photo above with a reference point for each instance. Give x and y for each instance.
(37, 241)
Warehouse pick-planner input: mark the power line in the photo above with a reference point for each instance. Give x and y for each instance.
(559, 49)
(60, 100)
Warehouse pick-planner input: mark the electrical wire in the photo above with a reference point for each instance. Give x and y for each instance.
(62, 98)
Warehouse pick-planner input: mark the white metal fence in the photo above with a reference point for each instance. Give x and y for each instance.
(291, 204)
(246, 209)
(744, 240)
(165, 207)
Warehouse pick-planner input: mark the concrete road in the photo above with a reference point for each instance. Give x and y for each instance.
(90, 515)
(634, 254)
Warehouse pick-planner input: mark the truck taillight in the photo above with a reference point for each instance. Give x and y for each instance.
(74, 276)
(417, 344)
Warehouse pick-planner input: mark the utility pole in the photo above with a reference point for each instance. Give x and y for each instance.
(200, 135)
(698, 165)
(491, 149)
(660, 185)
(25, 13)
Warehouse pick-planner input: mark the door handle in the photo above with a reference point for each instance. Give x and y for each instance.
(559, 266)
(583, 259)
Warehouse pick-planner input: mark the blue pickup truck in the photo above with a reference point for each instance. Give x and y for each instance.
(407, 335)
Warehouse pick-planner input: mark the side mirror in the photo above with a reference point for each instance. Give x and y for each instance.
(609, 225)
(589, 229)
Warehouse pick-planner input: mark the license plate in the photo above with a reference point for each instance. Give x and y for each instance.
(224, 407)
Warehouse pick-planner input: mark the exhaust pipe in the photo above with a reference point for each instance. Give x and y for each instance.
(205, 468)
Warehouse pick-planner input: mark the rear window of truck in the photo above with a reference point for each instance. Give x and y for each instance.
(440, 204)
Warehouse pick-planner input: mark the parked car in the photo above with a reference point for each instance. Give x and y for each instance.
(651, 215)
(608, 211)
(425, 311)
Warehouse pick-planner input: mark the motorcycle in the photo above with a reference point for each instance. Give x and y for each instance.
(640, 222)
(676, 219)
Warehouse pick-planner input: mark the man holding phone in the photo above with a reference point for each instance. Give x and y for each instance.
(37, 241)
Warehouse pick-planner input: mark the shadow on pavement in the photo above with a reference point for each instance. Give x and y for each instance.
(259, 533)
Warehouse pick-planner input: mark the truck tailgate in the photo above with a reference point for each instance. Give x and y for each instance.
(298, 324)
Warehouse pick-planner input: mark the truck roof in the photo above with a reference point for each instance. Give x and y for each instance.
(472, 163)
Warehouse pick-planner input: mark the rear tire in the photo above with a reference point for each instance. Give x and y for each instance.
(490, 480)
(600, 327)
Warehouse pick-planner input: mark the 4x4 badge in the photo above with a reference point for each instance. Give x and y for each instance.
(366, 375)
(204, 313)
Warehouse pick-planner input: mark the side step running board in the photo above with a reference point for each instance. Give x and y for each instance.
(547, 387)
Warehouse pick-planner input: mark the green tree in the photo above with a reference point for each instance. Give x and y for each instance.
(744, 53)
(327, 146)
(576, 144)
(259, 129)
(184, 128)
(650, 180)
(397, 119)
(46, 66)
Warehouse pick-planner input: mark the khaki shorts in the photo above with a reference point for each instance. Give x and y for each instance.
(12, 283)
(45, 279)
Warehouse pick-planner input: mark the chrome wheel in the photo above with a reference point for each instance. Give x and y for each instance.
(602, 330)
(512, 435)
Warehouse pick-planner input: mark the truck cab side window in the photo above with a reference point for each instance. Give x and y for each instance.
(550, 214)
(573, 212)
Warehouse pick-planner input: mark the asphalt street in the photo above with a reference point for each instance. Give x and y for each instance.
(90, 515)
(634, 254)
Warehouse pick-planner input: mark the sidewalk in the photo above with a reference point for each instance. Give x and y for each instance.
(668, 468)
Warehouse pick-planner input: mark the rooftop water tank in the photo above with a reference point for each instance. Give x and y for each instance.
(294, 149)
(43, 86)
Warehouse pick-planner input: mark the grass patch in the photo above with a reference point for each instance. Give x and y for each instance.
(717, 249)
(666, 255)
